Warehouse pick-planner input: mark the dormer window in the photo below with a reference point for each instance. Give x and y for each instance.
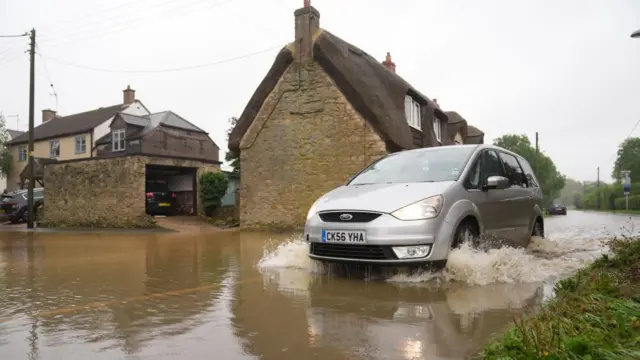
(412, 112)
(437, 129)
(117, 140)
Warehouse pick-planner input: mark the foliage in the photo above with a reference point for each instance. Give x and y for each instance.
(233, 156)
(572, 190)
(213, 186)
(595, 315)
(628, 159)
(5, 150)
(551, 181)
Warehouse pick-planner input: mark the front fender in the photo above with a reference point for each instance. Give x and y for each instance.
(452, 219)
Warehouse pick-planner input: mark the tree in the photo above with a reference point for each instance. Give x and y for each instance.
(551, 181)
(5, 150)
(628, 159)
(213, 186)
(233, 156)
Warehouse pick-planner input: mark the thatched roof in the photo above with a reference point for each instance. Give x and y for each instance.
(38, 168)
(456, 124)
(373, 90)
(474, 135)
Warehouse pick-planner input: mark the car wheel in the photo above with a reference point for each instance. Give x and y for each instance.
(467, 233)
(538, 230)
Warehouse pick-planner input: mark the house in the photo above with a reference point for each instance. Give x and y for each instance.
(108, 189)
(11, 134)
(324, 111)
(68, 137)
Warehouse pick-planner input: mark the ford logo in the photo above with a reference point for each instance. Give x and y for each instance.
(346, 217)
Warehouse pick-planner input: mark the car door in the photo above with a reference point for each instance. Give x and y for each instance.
(520, 199)
(490, 203)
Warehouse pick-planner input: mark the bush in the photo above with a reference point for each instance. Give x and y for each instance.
(213, 186)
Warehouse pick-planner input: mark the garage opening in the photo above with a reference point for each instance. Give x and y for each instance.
(170, 190)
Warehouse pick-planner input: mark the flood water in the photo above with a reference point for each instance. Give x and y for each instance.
(225, 295)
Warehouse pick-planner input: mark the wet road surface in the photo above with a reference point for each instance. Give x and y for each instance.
(228, 295)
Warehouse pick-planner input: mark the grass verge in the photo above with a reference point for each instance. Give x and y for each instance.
(595, 314)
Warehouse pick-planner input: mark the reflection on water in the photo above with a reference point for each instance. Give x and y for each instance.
(246, 296)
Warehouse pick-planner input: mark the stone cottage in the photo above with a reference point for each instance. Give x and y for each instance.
(324, 111)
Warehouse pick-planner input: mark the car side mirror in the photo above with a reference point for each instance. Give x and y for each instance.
(497, 183)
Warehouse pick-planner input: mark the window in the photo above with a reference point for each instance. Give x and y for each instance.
(412, 112)
(491, 165)
(425, 165)
(513, 170)
(528, 172)
(474, 178)
(54, 148)
(22, 153)
(81, 144)
(117, 140)
(437, 129)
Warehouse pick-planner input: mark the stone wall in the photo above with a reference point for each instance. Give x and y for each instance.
(103, 192)
(306, 140)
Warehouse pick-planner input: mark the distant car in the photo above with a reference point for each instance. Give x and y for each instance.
(414, 207)
(557, 209)
(159, 199)
(13, 206)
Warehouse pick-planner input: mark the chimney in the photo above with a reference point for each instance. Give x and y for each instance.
(47, 115)
(129, 95)
(307, 20)
(435, 101)
(389, 64)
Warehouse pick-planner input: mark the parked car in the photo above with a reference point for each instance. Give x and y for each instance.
(557, 209)
(13, 206)
(160, 200)
(414, 207)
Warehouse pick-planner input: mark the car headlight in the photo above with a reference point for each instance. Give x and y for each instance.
(312, 211)
(423, 209)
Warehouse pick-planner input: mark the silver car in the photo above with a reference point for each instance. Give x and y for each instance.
(413, 207)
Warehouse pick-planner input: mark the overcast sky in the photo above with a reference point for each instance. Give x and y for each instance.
(567, 69)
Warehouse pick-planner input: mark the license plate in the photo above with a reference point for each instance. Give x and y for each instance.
(344, 236)
(164, 204)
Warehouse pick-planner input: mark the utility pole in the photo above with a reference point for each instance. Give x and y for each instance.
(30, 164)
(537, 154)
(598, 190)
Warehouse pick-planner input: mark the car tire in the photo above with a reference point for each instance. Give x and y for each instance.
(537, 230)
(467, 232)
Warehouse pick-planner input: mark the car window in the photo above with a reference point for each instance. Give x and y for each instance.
(491, 165)
(436, 164)
(7, 198)
(513, 171)
(528, 172)
(157, 186)
(474, 178)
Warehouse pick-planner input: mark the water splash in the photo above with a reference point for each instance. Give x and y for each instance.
(542, 261)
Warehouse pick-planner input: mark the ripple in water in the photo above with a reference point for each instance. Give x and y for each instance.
(543, 260)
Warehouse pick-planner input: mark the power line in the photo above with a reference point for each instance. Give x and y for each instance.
(46, 72)
(13, 36)
(163, 70)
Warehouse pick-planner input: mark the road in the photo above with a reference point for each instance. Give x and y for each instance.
(203, 295)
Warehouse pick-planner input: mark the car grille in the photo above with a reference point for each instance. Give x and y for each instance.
(358, 217)
(360, 252)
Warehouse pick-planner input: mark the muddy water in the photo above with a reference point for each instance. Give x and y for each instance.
(211, 295)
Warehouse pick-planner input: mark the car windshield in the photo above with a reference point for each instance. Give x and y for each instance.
(7, 198)
(427, 165)
(157, 186)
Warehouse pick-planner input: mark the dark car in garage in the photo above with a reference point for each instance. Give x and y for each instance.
(159, 199)
(557, 209)
(13, 206)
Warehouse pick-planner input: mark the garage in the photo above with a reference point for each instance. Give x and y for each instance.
(170, 190)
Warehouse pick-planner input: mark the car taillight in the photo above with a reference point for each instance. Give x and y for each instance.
(149, 194)
(173, 195)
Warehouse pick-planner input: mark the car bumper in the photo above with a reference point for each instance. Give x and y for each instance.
(155, 208)
(382, 235)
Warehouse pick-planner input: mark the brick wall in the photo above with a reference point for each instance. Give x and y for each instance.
(306, 140)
